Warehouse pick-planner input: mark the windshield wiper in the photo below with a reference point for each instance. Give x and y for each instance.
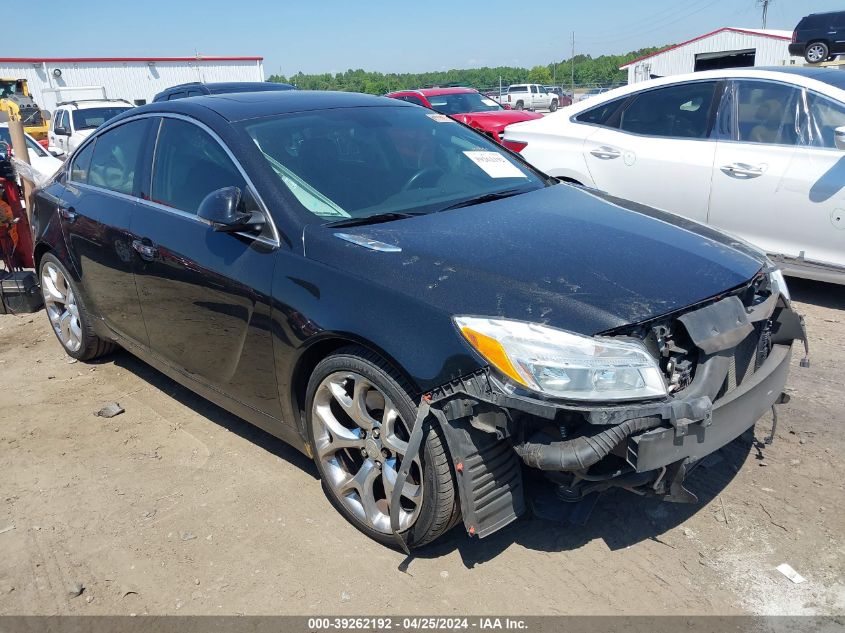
(487, 197)
(371, 219)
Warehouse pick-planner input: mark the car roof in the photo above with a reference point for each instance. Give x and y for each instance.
(238, 106)
(827, 75)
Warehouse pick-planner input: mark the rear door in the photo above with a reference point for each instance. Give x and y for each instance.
(205, 295)
(100, 196)
(779, 180)
(657, 149)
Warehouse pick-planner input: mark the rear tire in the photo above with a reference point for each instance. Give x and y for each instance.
(816, 52)
(519, 106)
(357, 483)
(553, 105)
(69, 318)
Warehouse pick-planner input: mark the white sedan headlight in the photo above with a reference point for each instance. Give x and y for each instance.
(563, 364)
(778, 284)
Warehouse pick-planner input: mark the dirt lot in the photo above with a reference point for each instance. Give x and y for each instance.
(175, 506)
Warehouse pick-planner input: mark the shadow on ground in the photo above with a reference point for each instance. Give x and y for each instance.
(212, 412)
(817, 292)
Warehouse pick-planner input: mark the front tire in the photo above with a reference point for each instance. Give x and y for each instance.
(71, 322)
(359, 414)
(816, 52)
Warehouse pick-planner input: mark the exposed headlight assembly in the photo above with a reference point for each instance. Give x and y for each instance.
(778, 283)
(563, 364)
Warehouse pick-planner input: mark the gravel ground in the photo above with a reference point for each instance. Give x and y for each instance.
(176, 506)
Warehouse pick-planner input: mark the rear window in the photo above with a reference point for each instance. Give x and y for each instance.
(518, 89)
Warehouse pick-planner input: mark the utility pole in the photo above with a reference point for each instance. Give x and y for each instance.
(765, 4)
(572, 64)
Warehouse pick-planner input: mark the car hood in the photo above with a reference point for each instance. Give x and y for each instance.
(562, 255)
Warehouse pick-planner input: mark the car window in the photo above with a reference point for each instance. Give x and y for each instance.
(175, 95)
(412, 99)
(518, 89)
(462, 103)
(92, 118)
(194, 93)
(81, 162)
(768, 112)
(188, 165)
(31, 143)
(114, 165)
(825, 116)
(602, 114)
(356, 162)
(680, 111)
(61, 117)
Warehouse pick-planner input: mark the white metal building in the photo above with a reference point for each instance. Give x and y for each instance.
(727, 47)
(135, 79)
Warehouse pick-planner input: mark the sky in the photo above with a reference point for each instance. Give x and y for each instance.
(395, 36)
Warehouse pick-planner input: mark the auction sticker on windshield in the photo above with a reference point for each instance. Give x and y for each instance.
(440, 118)
(494, 164)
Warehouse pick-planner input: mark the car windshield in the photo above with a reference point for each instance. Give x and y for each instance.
(463, 102)
(91, 118)
(31, 143)
(359, 162)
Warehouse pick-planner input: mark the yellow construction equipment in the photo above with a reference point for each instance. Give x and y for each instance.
(16, 101)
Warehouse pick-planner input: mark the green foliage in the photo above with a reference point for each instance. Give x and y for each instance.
(603, 70)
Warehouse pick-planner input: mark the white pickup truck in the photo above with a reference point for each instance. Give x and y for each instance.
(529, 97)
(73, 121)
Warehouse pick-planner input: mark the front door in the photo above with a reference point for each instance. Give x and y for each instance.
(780, 182)
(658, 150)
(96, 211)
(205, 295)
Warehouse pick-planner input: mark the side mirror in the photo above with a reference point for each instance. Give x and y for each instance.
(839, 137)
(45, 114)
(220, 208)
(61, 131)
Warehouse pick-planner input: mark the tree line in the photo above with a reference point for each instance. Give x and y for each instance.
(589, 71)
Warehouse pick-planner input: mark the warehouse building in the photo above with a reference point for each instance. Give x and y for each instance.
(135, 79)
(727, 47)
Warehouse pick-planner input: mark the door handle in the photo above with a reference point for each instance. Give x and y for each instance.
(145, 249)
(744, 170)
(606, 153)
(68, 213)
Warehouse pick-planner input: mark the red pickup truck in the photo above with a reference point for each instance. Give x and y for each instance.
(467, 106)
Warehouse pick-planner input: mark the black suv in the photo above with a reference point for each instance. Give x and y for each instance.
(195, 89)
(819, 37)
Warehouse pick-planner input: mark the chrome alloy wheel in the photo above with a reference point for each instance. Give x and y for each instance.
(816, 53)
(360, 441)
(61, 306)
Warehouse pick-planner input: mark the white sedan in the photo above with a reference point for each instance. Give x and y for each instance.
(39, 158)
(753, 152)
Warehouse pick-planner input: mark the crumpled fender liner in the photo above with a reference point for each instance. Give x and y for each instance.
(489, 477)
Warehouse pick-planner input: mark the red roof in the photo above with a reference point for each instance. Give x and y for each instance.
(701, 37)
(70, 60)
(434, 92)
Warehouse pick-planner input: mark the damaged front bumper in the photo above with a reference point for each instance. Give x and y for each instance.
(493, 429)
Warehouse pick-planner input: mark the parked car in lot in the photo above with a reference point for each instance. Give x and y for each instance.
(819, 37)
(529, 97)
(467, 106)
(417, 309)
(197, 89)
(563, 99)
(75, 120)
(39, 157)
(750, 151)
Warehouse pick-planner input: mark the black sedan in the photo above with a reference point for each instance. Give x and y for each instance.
(416, 308)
